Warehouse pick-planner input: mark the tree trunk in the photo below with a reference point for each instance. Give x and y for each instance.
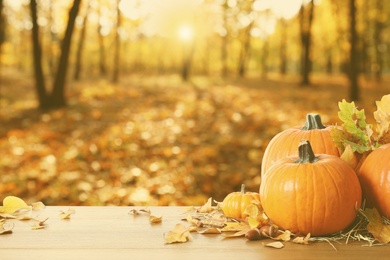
(224, 42)
(2, 37)
(306, 43)
(115, 76)
(283, 47)
(329, 62)
(264, 59)
(37, 57)
(353, 54)
(102, 51)
(365, 55)
(244, 52)
(80, 46)
(49, 50)
(2, 27)
(57, 98)
(378, 29)
(187, 57)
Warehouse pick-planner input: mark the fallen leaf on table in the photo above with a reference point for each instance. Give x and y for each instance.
(6, 228)
(37, 223)
(7, 215)
(38, 205)
(179, 234)
(215, 219)
(236, 234)
(283, 235)
(140, 211)
(256, 218)
(302, 240)
(194, 221)
(25, 217)
(276, 245)
(67, 214)
(211, 230)
(12, 204)
(155, 219)
(207, 207)
(376, 227)
(235, 226)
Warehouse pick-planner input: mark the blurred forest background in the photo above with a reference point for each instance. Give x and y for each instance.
(169, 102)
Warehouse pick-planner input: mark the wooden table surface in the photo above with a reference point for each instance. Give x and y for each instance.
(113, 233)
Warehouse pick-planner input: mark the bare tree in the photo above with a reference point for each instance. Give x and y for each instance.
(80, 46)
(37, 58)
(379, 26)
(306, 21)
(2, 26)
(245, 38)
(55, 98)
(283, 47)
(115, 75)
(225, 40)
(102, 49)
(353, 53)
(2, 33)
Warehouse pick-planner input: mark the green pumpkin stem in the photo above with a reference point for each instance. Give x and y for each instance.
(313, 121)
(305, 153)
(242, 189)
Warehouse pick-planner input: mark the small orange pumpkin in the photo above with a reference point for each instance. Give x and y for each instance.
(235, 203)
(312, 194)
(374, 176)
(285, 143)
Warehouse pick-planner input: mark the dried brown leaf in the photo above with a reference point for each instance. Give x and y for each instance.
(209, 230)
(38, 205)
(7, 215)
(215, 220)
(180, 234)
(37, 223)
(25, 217)
(302, 240)
(376, 227)
(194, 221)
(155, 219)
(139, 211)
(67, 214)
(239, 233)
(276, 245)
(235, 226)
(207, 207)
(6, 228)
(283, 235)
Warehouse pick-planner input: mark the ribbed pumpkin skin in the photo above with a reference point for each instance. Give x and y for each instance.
(319, 198)
(374, 176)
(285, 144)
(235, 204)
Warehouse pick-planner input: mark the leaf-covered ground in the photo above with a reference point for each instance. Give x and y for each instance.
(153, 140)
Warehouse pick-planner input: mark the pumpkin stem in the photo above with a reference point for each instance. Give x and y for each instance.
(305, 153)
(242, 189)
(313, 121)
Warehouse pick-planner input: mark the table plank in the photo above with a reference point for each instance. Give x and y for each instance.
(111, 232)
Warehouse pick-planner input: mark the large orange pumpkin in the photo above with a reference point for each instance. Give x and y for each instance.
(285, 143)
(317, 194)
(374, 176)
